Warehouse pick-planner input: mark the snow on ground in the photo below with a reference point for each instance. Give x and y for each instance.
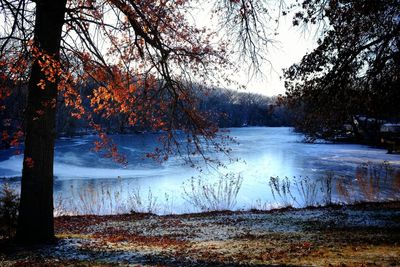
(360, 235)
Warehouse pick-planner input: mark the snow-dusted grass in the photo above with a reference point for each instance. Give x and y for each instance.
(359, 235)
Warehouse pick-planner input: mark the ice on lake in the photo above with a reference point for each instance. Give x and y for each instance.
(262, 151)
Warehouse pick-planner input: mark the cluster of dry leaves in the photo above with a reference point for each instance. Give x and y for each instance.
(364, 235)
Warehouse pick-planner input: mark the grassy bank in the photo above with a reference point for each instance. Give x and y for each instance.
(356, 235)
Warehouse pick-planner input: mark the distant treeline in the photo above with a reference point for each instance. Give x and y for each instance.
(227, 108)
(238, 109)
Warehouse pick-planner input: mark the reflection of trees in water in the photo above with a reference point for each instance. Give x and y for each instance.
(370, 182)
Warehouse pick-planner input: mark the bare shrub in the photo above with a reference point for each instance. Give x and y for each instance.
(259, 204)
(307, 191)
(209, 196)
(9, 203)
(326, 184)
(138, 203)
(66, 206)
(306, 188)
(92, 200)
(106, 199)
(168, 206)
(371, 182)
(280, 188)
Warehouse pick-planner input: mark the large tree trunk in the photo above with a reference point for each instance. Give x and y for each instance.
(35, 222)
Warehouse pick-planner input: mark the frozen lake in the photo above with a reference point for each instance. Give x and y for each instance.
(82, 176)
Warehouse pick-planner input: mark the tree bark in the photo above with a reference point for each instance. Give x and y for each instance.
(36, 221)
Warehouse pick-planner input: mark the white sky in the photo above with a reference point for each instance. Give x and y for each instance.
(290, 45)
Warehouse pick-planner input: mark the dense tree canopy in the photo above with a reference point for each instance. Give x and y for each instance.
(136, 53)
(143, 57)
(225, 108)
(354, 70)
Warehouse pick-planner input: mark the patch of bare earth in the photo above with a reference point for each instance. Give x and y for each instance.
(359, 235)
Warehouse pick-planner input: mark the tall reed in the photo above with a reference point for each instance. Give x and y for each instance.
(209, 196)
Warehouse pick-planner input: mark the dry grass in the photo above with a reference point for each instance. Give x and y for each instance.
(370, 183)
(362, 235)
(211, 196)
